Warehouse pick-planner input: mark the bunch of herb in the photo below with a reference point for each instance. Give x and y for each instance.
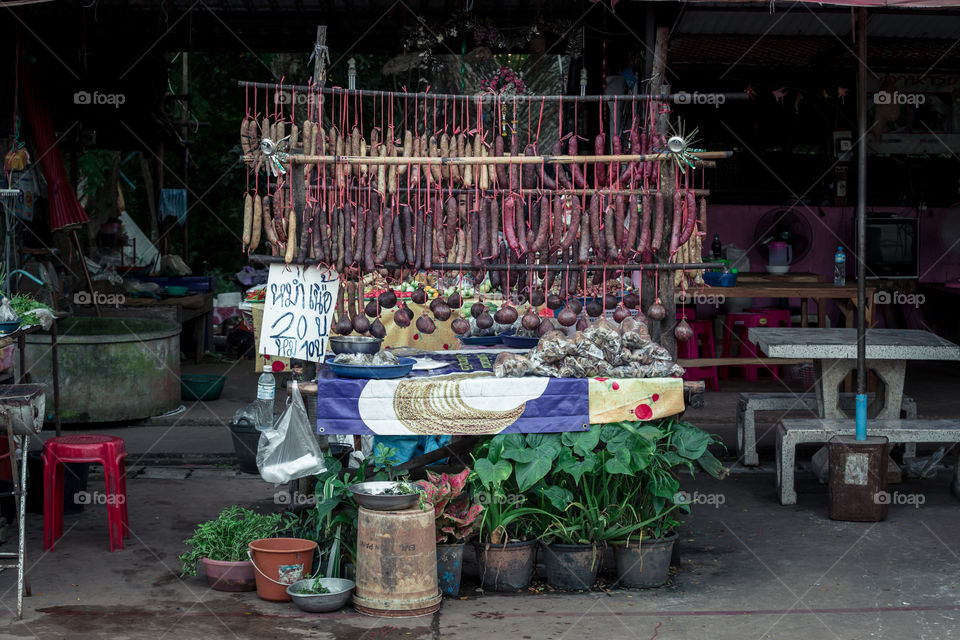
(312, 588)
(227, 538)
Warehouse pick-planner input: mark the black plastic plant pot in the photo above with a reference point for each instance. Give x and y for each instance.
(572, 567)
(644, 564)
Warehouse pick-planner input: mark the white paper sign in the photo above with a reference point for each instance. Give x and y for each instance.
(298, 312)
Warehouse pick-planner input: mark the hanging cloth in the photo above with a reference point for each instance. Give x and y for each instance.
(173, 204)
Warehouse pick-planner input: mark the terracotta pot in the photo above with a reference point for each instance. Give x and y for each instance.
(230, 576)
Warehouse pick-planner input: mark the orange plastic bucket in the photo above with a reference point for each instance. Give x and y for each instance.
(279, 562)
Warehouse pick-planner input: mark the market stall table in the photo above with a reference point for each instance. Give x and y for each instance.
(462, 397)
(18, 337)
(834, 352)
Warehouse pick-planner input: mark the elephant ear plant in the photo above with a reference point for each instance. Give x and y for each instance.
(454, 511)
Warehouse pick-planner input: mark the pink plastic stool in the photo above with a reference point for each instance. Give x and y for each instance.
(105, 450)
(735, 329)
(701, 345)
(777, 317)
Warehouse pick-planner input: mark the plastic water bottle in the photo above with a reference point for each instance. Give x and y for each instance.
(840, 268)
(266, 392)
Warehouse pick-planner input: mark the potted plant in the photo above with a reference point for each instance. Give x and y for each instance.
(643, 556)
(506, 547)
(221, 545)
(455, 512)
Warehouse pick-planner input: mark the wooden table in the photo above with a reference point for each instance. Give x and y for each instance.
(845, 296)
(834, 352)
(754, 277)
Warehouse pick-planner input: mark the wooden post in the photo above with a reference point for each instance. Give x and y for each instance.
(151, 196)
(320, 67)
(185, 90)
(663, 333)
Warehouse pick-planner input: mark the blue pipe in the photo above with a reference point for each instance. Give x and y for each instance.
(861, 416)
(22, 273)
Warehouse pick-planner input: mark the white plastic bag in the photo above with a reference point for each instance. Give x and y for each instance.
(290, 451)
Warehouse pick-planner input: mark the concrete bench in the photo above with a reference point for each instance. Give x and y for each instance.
(751, 402)
(794, 431)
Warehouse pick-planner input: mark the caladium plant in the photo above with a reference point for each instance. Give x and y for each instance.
(453, 506)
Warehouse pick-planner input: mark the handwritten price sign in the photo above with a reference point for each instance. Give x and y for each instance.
(298, 312)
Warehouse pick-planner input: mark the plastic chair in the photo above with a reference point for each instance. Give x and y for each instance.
(701, 345)
(735, 332)
(108, 451)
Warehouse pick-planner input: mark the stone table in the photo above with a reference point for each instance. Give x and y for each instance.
(834, 354)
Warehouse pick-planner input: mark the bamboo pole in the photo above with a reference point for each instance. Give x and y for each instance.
(471, 160)
(500, 266)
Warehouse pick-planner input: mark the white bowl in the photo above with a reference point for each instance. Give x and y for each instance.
(779, 270)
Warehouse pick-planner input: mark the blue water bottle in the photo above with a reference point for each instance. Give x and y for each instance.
(840, 267)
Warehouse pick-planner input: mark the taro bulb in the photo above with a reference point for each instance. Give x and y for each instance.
(402, 317)
(575, 305)
(455, 301)
(630, 301)
(567, 317)
(506, 315)
(546, 326)
(460, 326)
(682, 331)
(656, 311)
(594, 308)
(373, 308)
(425, 324)
(583, 324)
(419, 296)
(620, 314)
(477, 308)
(554, 302)
(536, 298)
(344, 326)
(441, 311)
(530, 319)
(360, 323)
(436, 302)
(484, 320)
(387, 299)
(609, 301)
(377, 330)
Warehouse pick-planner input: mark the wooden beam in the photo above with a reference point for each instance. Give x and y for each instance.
(726, 362)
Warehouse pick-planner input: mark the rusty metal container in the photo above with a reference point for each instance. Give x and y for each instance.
(396, 563)
(858, 478)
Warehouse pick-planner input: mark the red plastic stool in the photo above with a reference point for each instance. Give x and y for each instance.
(105, 450)
(735, 329)
(700, 346)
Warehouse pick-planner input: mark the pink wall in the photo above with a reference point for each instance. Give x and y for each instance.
(736, 224)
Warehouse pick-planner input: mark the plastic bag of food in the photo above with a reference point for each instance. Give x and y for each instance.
(384, 358)
(511, 365)
(540, 367)
(7, 314)
(605, 335)
(633, 334)
(554, 347)
(572, 368)
(586, 348)
(290, 450)
(363, 359)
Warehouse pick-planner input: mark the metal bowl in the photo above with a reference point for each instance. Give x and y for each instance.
(340, 590)
(366, 495)
(354, 344)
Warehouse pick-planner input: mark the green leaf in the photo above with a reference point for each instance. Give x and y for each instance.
(571, 465)
(558, 497)
(492, 474)
(619, 463)
(583, 442)
(711, 465)
(515, 448)
(691, 443)
(529, 473)
(649, 433)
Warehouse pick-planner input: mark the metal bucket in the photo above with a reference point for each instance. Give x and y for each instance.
(396, 563)
(858, 478)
